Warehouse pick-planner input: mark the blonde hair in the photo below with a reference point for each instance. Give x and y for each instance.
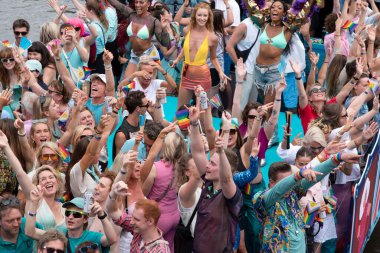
(210, 20)
(48, 32)
(78, 132)
(54, 147)
(31, 104)
(117, 162)
(145, 61)
(32, 143)
(56, 174)
(314, 134)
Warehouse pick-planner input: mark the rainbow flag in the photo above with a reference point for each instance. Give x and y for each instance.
(215, 102)
(87, 72)
(182, 114)
(309, 218)
(6, 43)
(128, 87)
(65, 198)
(65, 155)
(350, 25)
(248, 189)
(63, 119)
(373, 84)
(184, 123)
(312, 206)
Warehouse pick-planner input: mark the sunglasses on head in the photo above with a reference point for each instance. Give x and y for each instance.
(76, 214)
(11, 201)
(46, 157)
(252, 116)
(22, 33)
(4, 60)
(85, 249)
(316, 90)
(53, 250)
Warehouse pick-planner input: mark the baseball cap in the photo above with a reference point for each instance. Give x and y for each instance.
(78, 202)
(101, 76)
(34, 65)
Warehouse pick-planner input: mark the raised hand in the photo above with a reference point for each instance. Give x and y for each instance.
(36, 194)
(255, 147)
(334, 147)
(350, 157)
(96, 209)
(219, 144)
(297, 141)
(264, 109)
(359, 66)
(371, 31)
(370, 131)
(281, 86)
(314, 58)
(168, 129)
(193, 113)
(107, 57)
(226, 120)
(129, 159)
(55, 50)
(296, 67)
(311, 175)
(120, 189)
(104, 121)
(5, 97)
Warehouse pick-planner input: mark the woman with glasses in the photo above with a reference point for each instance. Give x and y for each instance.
(38, 51)
(58, 92)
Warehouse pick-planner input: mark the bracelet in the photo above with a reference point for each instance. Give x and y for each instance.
(337, 158)
(22, 135)
(32, 214)
(301, 171)
(165, 73)
(97, 137)
(98, 132)
(157, 107)
(258, 118)
(102, 217)
(57, 59)
(240, 82)
(196, 123)
(326, 154)
(122, 172)
(366, 92)
(297, 176)
(326, 62)
(321, 159)
(278, 99)
(107, 67)
(298, 78)
(115, 111)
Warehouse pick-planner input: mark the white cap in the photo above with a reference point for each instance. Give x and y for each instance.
(101, 76)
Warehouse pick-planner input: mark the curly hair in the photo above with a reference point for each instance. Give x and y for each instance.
(330, 22)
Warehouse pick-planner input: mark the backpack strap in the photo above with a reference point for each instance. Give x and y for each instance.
(193, 215)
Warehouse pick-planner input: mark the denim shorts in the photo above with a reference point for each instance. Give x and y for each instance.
(265, 77)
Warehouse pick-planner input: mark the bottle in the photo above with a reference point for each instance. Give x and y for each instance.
(203, 100)
(88, 201)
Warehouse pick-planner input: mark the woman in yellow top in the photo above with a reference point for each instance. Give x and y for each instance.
(200, 42)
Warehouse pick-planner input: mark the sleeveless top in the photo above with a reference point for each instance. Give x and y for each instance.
(46, 218)
(200, 56)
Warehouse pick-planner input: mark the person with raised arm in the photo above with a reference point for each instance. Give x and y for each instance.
(219, 196)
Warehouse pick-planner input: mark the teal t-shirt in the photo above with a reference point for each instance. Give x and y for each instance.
(97, 110)
(24, 243)
(90, 236)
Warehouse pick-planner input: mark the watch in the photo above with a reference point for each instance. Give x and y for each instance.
(103, 216)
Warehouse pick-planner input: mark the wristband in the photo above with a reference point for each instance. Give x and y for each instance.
(57, 59)
(122, 172)
(115, 111)
(278, 99)
(98, 132)
(109, 196)
(326, 154)
(102, 217)
(297, 176)
(298, 78)
(97, 137)
(22, 135)
(31, 214)
(157, 107)
(164, 74)
(196, 123)
(301, 171)
(337, 158)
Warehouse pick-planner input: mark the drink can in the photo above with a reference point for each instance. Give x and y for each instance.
(163, 100)
(88, 202)
(203, 100)
(108, 107)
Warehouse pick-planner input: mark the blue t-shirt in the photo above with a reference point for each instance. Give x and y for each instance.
(24, 243)
(87, 235)
(111, 17)
(97, 110)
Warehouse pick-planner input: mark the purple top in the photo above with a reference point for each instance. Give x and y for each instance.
(263, 140)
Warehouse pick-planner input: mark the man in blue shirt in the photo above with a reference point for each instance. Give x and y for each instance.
(12, 228)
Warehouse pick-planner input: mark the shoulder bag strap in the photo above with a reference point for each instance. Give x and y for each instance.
(254, 43)
(166, 191)
(193, 215)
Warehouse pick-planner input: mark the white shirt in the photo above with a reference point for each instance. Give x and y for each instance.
(80, 182)
(187, 212)
(296, 54)
(219, 5)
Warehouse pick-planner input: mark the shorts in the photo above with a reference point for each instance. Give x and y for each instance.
(152, 52)
(266, 77)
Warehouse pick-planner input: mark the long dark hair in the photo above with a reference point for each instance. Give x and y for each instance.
(99, 8)
(332, 75)
(46, 58)
(218, 25)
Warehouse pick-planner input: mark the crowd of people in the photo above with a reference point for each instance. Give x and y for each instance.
(89, 162)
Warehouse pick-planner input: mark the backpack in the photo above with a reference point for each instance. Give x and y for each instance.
(183, 240)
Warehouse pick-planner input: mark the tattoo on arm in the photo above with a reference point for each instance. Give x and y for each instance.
(274, 112)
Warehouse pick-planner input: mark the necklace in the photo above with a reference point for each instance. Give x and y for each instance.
(272, 24)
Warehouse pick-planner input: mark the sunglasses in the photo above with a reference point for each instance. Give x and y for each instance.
(252, 116)
(76, 214)
(317, 148)
(316, 90)
(344, 115)
(53, 91)
(86, 136)
(46, 157)
(4, 60)
(35, 71)
(77, 29)
(85, 249)
(53, 250)
(11, 201)
(233, 131)
(146, 106)
(22, 33)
